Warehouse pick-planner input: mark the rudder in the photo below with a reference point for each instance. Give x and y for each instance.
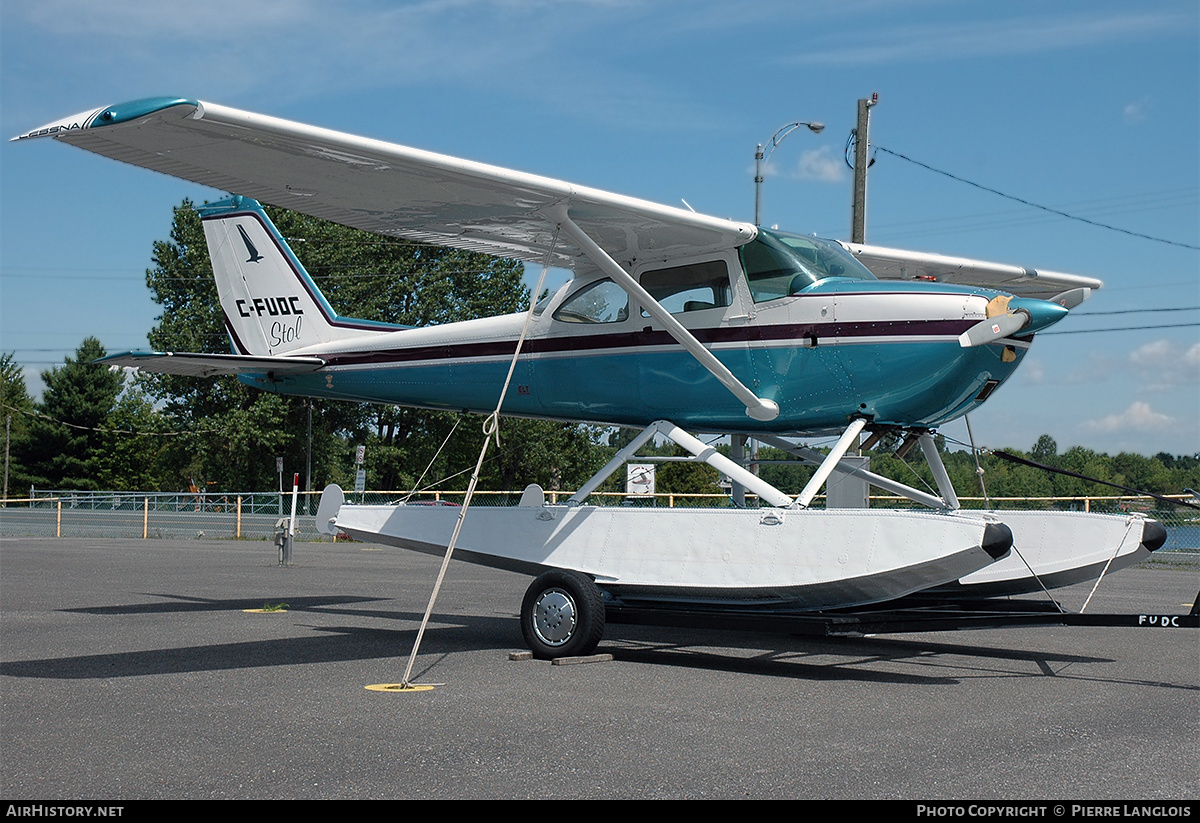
(270, 303)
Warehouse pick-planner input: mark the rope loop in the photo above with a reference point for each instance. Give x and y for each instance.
(491, 427)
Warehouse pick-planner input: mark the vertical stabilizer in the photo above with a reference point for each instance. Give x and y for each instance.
(271, 305)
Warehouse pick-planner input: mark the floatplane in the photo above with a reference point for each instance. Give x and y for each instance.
(675, 323)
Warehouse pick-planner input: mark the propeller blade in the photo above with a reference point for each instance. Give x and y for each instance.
(993, 328)
(1072, 298)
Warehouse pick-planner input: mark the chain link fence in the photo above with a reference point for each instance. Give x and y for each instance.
(254, 515)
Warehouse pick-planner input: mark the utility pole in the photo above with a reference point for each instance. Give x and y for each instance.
(7, 435)
(862, 143)
(862, 161)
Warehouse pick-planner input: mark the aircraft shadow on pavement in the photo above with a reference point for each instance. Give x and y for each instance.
(865, 659)
(183, 603)
(331, 644)
(862, 659)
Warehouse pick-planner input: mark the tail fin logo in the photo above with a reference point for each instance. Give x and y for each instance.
(271, 306)
(250, 249)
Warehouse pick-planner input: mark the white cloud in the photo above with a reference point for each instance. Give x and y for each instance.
(821, 165)
(128, 19)
(295, 50)
(1138, 417)
(1153, 355)
(1135, 112)
(1192, 358)
(1162, 364)
(1033, 372)
(940, 41)
(767, 169)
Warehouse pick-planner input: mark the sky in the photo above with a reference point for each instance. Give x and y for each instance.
(1090, 108)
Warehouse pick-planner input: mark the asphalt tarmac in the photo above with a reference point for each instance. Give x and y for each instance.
(129, 669)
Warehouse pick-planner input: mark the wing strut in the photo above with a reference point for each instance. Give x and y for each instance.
(699, 449)
(848, 438)
(756, 407)
(947, 502)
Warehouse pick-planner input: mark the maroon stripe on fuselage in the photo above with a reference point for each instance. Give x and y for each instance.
(648, 338)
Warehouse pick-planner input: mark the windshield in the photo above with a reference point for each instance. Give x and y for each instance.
(779, 264)
(601, 302)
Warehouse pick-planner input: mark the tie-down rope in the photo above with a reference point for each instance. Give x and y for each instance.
(1128, 526)
(491, 429)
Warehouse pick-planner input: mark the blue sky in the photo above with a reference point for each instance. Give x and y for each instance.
(1088, 107)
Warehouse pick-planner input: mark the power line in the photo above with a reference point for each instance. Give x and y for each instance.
(1146, 286)
(32, 413)
(1035, 205)
(339, 273)
(1132, 311)
(1020, 217)
(1125, 328)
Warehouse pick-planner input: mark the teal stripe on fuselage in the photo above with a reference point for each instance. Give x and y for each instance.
(906, 382)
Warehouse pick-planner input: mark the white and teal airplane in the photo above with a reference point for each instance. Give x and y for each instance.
(674, 321)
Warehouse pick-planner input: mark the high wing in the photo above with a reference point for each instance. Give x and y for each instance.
(400, 191)
(383, 187)
(898, 264)
(191, 364)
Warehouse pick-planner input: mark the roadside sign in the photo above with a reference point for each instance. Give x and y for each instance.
(360, 480)
(639, 479)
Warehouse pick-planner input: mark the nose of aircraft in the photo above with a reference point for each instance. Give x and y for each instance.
(1008, 316)
(1042, 313)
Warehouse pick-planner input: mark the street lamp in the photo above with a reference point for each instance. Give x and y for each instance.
(759, 159)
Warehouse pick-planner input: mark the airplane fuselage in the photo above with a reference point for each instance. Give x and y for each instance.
(839, 349)
(796, 320)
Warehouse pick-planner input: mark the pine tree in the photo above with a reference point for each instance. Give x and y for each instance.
(16, 407)
(66, 441)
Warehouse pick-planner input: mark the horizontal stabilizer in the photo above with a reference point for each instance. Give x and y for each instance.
(192, 364)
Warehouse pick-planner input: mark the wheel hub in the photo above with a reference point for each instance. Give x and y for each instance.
(554, 617)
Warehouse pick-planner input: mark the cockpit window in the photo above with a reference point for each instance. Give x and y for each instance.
(694, 287)
(601, 302)
(779, 264)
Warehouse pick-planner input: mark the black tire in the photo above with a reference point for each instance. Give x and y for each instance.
(562, 615)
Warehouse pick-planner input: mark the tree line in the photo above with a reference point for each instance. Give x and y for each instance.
(98, 428)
